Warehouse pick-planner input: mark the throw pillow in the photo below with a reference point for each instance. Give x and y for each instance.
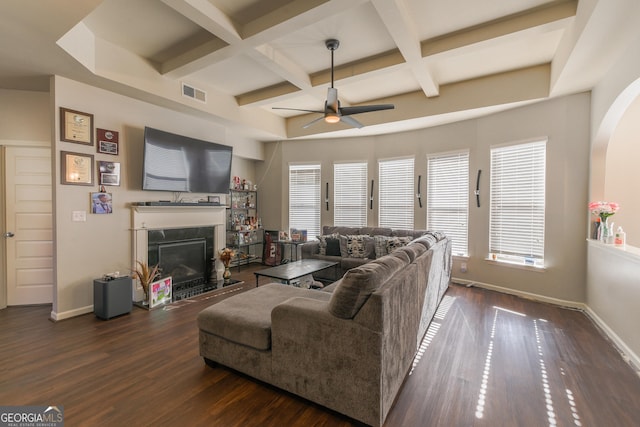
(397, 242)
(353, 246)
(323, 242)
(333, 246)
(380, 243)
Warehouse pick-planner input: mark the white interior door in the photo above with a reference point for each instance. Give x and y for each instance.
(29, 225)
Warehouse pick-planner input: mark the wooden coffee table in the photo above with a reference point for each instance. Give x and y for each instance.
(294, 270)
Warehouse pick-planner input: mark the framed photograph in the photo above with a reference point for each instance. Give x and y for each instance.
(101, 203)
(76, 168)
(214, 199)
(107, 141)
(298, 236)
(109, 173)
(76, 126)
(160, 292)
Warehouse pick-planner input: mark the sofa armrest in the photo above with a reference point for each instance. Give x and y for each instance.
(334, 362)
(309, 248)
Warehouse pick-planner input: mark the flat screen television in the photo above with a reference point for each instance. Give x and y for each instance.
(178, 163)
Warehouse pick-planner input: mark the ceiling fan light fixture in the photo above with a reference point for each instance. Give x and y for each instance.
(332, 118)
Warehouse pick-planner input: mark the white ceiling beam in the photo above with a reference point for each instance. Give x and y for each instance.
(542, 19)
(281, 65)
(298, 14)
(524, 85)
(397, 20)
(209, 17)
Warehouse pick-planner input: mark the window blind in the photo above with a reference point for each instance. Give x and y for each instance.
(304, 199)
(350, 194)
(448, 198)
(395, 193)
(516, 231)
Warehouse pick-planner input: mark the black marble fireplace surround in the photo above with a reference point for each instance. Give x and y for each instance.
(185, 254)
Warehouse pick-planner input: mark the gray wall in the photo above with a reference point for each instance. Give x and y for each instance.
(564, 121)
(102, 244)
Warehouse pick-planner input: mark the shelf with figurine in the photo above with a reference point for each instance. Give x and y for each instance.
(244, 227)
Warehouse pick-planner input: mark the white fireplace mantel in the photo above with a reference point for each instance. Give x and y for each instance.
(145, 218)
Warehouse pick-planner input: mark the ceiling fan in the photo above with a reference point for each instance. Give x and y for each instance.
(332, 112)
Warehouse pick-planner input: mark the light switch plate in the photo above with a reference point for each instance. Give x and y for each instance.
(79, 216)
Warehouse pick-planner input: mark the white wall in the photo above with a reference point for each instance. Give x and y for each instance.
(86, 250)
(622, 161)
(564, 121)
(613, 275)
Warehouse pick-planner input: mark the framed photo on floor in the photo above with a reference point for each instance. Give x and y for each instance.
(160, 292)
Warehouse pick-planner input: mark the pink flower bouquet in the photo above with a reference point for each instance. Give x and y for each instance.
(603, 209)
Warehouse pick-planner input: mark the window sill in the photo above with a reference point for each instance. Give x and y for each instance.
(515, 265)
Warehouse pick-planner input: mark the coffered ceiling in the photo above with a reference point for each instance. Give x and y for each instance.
(436, 60)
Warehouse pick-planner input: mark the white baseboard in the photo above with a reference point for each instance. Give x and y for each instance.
(522, 294)
(627, 354)
(625, 351)
(71, 313)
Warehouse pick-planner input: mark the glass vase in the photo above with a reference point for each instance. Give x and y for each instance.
(605, 232)
(227, 274)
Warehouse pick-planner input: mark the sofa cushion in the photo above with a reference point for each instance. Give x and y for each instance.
(413, 251)
(359, 283)
(414, 234)
(428, 240)
(246, 318)
(397, 242)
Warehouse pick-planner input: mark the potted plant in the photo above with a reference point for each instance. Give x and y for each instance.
(145, 275)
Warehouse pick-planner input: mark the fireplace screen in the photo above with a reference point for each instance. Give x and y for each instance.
(184, 261)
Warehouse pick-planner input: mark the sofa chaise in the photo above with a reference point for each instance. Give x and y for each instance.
(347, 347)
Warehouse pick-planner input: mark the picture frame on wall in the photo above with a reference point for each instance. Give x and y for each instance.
(76, 168)
(101, 203)
(108, 141)
(109, 173)
(76, 126)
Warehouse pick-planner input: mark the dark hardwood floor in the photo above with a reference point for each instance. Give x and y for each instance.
(488, 359)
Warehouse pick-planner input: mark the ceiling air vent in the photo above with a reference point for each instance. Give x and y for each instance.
(194, 93)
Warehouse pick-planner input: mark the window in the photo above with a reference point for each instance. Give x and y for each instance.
(350, 194)
(304, 198)
(448, 197)
(516, 230)
(395, 193)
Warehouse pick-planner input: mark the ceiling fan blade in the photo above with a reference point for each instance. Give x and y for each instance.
(351, 122)
(297, 109)
(347, 111)
(312, 122)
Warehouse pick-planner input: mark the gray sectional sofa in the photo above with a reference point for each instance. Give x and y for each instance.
(347, 347)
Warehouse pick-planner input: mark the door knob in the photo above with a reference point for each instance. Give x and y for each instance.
(9, 234)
